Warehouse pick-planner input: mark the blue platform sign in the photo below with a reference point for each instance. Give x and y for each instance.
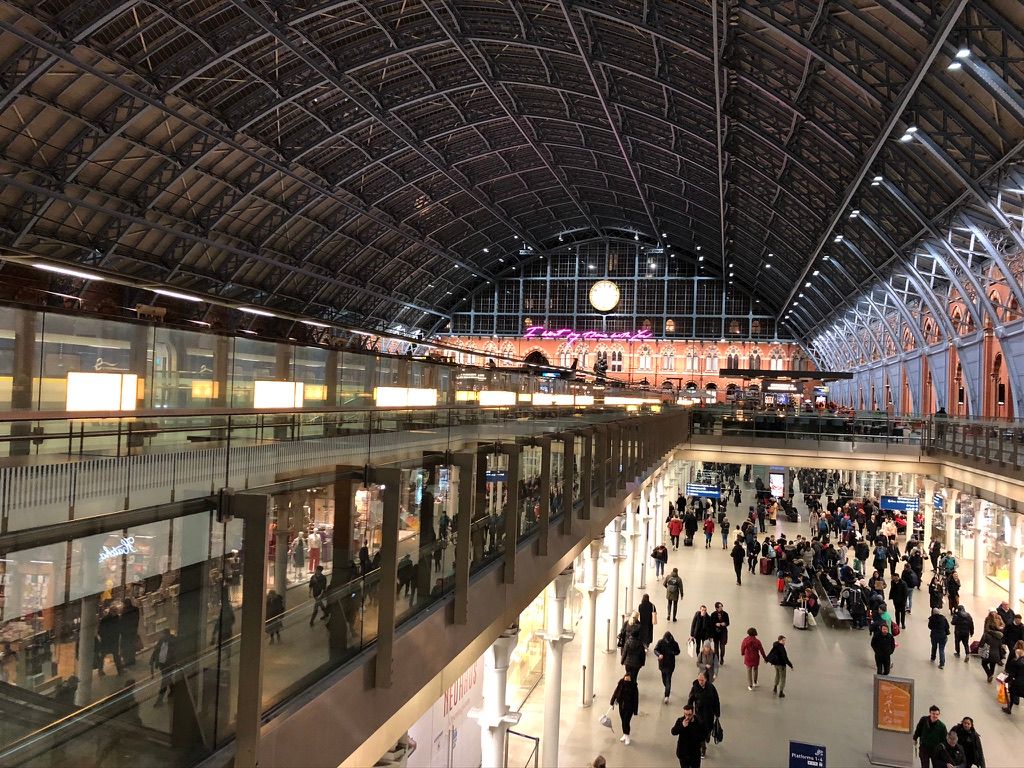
(938, 501)
(901, 503)
(806, 755)
(703, 490)
(496, 476)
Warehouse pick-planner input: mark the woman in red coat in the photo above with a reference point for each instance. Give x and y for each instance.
(753, 652)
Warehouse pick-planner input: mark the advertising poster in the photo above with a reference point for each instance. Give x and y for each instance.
(893, 705)
(446, 736)
(777, 484)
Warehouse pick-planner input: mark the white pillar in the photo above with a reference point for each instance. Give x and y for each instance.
(632, 524)
(1016, 562)
(929, 512)
(949, 516)
(591, 558)
(644, 518)
(494, 715)
(555, 637)
(979, 554)
(613, 535)
(658, 511)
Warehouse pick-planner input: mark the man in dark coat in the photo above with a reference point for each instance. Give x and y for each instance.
(690, 739)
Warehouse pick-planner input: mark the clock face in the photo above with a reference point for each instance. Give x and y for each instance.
(604, 296)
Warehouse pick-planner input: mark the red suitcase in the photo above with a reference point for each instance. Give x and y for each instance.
(766, 566)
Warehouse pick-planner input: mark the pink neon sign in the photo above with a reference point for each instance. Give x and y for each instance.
(571, 335)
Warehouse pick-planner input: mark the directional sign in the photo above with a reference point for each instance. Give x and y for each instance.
(496, 476)
(806, 755)
(703, 490)
(901, 503)
(938, 501)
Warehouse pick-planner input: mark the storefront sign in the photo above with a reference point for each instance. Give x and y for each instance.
(571, 335)
(900, 503)
(496, 476)
(703, 490)
(126, 547)
(781, 386)
(806, 755)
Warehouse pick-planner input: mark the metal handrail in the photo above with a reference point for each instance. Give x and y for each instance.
(534, 755)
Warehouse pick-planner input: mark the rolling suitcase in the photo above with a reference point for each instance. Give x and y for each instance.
(766, 566)
(688, 541)
(800, 618)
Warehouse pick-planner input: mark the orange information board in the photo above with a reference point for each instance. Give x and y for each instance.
(893, 705)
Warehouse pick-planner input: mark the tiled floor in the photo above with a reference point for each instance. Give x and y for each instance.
(828, 694)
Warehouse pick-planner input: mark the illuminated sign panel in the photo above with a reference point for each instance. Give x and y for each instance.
(572, 335)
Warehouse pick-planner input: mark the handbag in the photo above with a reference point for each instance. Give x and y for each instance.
(1001, 696)
(606, 719)
(691, 648)
(716, 732)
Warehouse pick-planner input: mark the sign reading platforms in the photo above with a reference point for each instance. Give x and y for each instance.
(806, 755)
(703, 490)
(900, 503)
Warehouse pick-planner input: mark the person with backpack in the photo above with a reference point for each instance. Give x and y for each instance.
(627, 697)
(660, 557)
(778, 657)
(938, 629)
(634, 653)
(884, 646)
(724, 526)
(963, 631)
(666, 651)
(673, 593)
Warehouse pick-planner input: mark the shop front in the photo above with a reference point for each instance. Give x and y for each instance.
(446, 736)
(1002, 545)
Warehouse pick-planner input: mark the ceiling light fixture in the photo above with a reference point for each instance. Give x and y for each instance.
(315, 324)
(66, 271)
(954, 65)
(255, 311)
(176, 295)
(963, 51)
(815, 273)
(837, 239)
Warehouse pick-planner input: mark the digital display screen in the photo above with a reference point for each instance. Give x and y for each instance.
(777, 484)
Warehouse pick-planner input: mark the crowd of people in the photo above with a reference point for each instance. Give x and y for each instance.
(853, 560)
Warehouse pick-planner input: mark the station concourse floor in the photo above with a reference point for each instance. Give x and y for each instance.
(828, 693)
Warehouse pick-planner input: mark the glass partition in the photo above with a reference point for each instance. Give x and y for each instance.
(530, 466)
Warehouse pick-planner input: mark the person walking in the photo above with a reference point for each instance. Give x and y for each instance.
(720, 620)
(929, 735)
(953, 590)
(938, 629)
(666, 651)
(949, 752)
(660, 557)
(275, 607)
(990, 648)
(970, 740)
(707, 660)
(898, 593)
(317, 589)
(963, 631)
(752, 652)
(701, 627)
(634, 654)
(627, 697)
(689, 739)
(163, 658)
(753, 551)
(709, 531)
(675, 527)
(1014, 676)
(648, 618)
(884, 646)
(707, 707)
(778, 657)
(737, 554)
(673, 592)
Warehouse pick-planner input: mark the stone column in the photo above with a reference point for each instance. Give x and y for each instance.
(613, 535)
(555, 637)
(659, 512)
(979, 554)
(928, 503)
(644, 518)
(632, 524)
(87, 631)
(494, 714)
(949, 516)
(591, 559)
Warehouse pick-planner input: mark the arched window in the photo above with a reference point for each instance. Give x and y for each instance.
(777, 361)
(508, 350)
(668, 359)
(732, 358)
(691, 359)
(644, 359)
(670, 326)
(754, 359)
(616, 361)
(711, 360)
(566, 355)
